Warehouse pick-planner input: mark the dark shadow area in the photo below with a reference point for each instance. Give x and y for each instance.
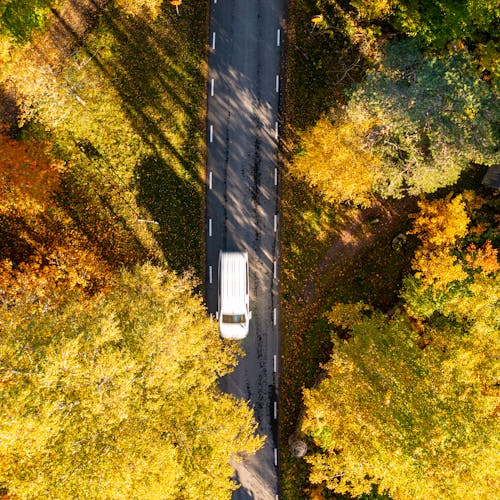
(10, 113)
(94, 215)
(374, 275)
(175, 205)
(323, 63)
(14, 245)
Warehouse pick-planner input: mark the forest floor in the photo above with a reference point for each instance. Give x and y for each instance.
(329, 253)
(355, 262)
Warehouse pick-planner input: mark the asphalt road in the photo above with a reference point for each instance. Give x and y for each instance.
(242, 187)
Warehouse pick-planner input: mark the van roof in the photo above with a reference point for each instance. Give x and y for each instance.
(233, 268)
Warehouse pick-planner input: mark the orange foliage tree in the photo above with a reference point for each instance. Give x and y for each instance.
(456, 266)
(42, 253)
(27, 175)
(439, 225)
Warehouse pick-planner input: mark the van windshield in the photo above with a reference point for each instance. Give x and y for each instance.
(233, 318)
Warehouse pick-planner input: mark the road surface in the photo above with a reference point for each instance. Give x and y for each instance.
(242, 204)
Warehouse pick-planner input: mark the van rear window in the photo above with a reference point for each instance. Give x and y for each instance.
(233, 318)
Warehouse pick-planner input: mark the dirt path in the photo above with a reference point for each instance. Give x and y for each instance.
(47, 55)
(68, 28)
(383, 217)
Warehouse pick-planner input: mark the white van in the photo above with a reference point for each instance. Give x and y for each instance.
(234, 310)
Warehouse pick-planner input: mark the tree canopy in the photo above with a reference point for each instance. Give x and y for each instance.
(116, 396)
(456, 266)
(438, 23)
(18, 18)
(412, 126)
(435, 116)
(336, 159)
(420, 423)
(410, 401)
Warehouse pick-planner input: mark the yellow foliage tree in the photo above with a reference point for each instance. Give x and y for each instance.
(117, 396)
(410, 401)
(421, 423)
(437, 267)
(439, 225)
(337, 161)
(440, 222)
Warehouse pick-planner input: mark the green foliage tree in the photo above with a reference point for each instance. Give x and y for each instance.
(411, 127)
(19, 18)
(435, 117)
(438, 23)
(117, 397)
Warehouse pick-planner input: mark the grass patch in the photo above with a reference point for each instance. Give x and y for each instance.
(126, 112)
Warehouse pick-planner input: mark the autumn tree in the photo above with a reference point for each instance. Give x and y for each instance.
(412, 126)
(42, 253)
(439, 225)
(454, 276)
(336, 159)
(117, 397)
(418, 421)
(28, 177)
(434, 116)
(373, 9)
(410, 400)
